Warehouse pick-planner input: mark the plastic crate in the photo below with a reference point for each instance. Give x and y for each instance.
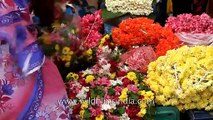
(200, 115)
(167, 113)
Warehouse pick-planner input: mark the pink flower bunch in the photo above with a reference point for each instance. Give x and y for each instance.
(191, 23)
(91, 26)
(142, 56)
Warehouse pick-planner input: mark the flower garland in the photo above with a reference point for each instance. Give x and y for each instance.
(183, 78)
(143, 31)
(135, 7)
(91, 26)
(191, 24)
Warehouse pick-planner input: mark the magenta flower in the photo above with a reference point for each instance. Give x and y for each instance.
(91, 26)
(191, 24)
(133, 88)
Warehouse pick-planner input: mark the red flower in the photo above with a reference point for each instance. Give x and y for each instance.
(72, 95)
(77, 109)
(113, 66)
(120, 74)
(82, 82)
(127, 82)
(132, 111)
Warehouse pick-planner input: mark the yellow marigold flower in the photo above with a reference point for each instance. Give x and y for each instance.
(183, 77)
(57, 47)
(141, 113)
(143, 104)
(84, 105)
(131, 76)
(89, 52)
(82, 113)
(66, 57)
(101, 117)
(112, 76)
(89, 78)
(65, 50)
(73, 76)
(69, 75)
(149, 96)
(123, 95)
(103, 40)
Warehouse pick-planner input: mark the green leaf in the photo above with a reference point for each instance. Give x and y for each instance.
(142, 86)
(87, 114)
(92, 93)
(133, 96)
(111, 91)
(107, 15)
(100, 91)
(119, 111)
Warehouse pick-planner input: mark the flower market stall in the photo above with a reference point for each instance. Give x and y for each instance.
(135, 69)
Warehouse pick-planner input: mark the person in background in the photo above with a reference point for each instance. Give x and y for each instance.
(209, 8)
(44, 10)
(30, 84)
(199, 7)
(181, 6)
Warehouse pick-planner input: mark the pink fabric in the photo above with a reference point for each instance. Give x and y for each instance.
(196, 38)
(40, 94)
(52, 102)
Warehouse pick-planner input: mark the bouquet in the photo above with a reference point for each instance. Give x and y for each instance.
(183, 78)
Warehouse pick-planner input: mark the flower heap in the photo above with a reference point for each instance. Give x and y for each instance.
(143, 31)
(135, 7)
(183, 78)
(91, 26)
(193, 30)
(191, 24)
(107, 91)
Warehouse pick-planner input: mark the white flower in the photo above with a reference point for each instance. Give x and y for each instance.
(87, 71)
(118, 81)
(82, 94)
(135, 7)
(124, 117)
(108, 105)
(106, 52)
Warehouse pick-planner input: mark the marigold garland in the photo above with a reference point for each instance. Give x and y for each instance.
(183, 78)
(143, 31)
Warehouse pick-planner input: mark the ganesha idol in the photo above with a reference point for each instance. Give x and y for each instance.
(30, 84)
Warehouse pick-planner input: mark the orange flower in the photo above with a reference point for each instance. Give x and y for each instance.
(143, 31)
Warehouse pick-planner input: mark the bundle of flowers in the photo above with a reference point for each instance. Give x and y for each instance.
(109, 91)
(183, 78)
(143, 31)
(193, 30)
(91, 27)
(138, 59)
(135, 7)
(60, 44)
(191, 23)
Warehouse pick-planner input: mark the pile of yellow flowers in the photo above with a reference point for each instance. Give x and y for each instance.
(183, 78)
